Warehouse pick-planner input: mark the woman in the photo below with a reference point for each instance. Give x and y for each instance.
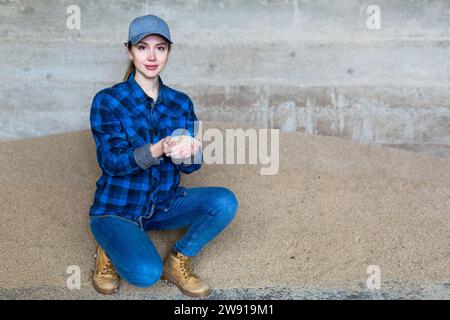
(132, 124)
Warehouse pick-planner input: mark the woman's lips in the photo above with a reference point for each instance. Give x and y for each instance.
(151, 66)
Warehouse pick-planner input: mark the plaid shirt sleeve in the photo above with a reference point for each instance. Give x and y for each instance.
(196, 160)
(115, 155)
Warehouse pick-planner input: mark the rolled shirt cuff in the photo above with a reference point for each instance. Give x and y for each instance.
(144, 157)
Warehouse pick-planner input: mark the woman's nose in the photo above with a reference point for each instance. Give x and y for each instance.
(151, 56)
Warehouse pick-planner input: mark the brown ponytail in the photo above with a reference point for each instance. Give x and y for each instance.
(129, 71)
(131, 67)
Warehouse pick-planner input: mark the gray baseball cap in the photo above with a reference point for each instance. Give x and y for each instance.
(146, 25)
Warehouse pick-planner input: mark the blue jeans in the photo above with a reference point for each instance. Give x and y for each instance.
(206, 210)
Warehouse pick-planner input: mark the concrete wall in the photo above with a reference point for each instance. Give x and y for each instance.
(311, 66)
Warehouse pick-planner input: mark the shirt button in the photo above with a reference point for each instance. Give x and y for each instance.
(166, 209)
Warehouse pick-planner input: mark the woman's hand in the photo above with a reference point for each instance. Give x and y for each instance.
(162, 147)
(167, 144)
(183, 147)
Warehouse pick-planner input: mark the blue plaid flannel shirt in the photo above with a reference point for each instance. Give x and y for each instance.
(125, 122)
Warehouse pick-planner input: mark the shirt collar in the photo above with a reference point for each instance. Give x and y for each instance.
(139, 94)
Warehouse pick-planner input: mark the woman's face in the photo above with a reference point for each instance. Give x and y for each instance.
(150, 55)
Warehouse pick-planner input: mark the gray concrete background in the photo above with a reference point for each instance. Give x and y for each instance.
(309, 66)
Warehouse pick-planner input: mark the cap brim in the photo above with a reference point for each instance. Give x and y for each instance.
(141, 36)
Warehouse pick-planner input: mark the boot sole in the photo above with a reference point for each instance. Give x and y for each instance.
(171, 281)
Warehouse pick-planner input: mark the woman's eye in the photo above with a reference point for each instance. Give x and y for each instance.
(161, 48)
(141, 47)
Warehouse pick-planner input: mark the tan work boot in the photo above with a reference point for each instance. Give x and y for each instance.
(176, 271)
(105, 279)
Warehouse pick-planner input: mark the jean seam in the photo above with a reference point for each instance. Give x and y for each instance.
(114, 216)
(195, 232)
(189, 240)
(152, 212)
(185, 213)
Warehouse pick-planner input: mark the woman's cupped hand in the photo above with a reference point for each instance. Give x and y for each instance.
(180, 147)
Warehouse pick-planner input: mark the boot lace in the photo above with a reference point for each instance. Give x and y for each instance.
(108, 269)
(185, 268)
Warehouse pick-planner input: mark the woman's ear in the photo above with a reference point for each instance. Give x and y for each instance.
(130, 55)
